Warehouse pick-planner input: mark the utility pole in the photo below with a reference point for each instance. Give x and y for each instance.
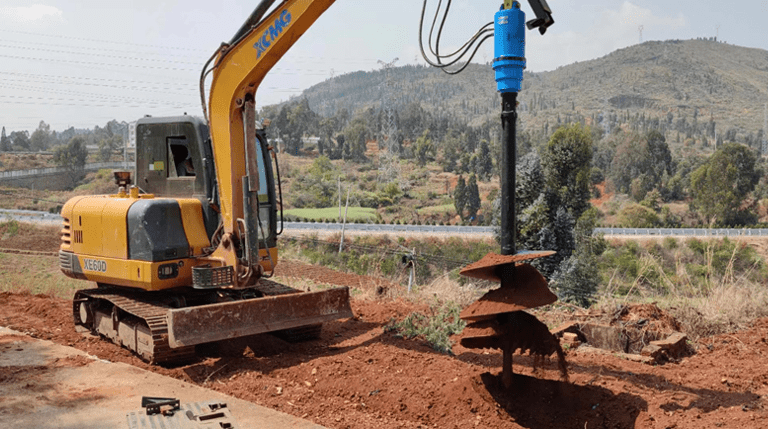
(344, 224)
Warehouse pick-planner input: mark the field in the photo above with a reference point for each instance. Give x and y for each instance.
(360, 374)
(332, 213)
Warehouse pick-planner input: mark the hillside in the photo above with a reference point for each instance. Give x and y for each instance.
(716, 89)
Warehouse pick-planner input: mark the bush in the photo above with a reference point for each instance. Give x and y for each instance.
(435, 329)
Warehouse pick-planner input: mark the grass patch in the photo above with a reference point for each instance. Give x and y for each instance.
(97, 183)
(36, 274)
(435, 328)
(381, 256)
(354, 214)
(437, 210)
(9, 228)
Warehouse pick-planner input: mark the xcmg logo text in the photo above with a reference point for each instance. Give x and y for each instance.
(272, 33)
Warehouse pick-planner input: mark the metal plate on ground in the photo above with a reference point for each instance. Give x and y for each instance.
(194, 415)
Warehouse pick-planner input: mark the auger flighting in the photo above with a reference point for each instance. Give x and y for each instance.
(498, 320)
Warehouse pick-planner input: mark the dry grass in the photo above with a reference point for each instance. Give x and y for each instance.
(724, 302)
(36, 274)
(444, 289)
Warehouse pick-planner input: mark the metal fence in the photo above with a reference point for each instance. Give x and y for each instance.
(686, 232)
(34, 172)
(43, 217)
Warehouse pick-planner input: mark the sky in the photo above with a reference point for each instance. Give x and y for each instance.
(82, 63)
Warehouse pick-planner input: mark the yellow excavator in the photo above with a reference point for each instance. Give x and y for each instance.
(183, 255)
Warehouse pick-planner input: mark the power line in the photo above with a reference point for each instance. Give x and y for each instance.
(106, 41)
(79, 102)
(99, 49)
(64, 91)
(302, 58)
(102, 55)
(178, 48)
(192, 85)
(304, 72)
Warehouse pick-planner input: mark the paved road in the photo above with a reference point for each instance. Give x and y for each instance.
(54, 386)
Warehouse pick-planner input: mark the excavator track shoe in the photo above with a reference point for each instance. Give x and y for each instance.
(131, 321)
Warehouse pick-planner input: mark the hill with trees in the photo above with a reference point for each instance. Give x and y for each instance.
(695, 92)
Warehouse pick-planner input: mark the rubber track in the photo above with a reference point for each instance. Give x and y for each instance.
(153, 314)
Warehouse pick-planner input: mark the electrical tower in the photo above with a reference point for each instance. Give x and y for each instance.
(389, 164)
(640, 30)
(765, 129)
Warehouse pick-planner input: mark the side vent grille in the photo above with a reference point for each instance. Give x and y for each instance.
(65, 234)
(77, 236)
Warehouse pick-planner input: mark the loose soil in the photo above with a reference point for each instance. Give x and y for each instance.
(358, 376)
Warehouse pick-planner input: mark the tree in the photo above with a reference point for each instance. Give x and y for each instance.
(484, 164)
(20, 140)
(721, 184)
(72, 157)
(567, 165)
(423, 149)
(328, 127)
(552, 197)
(40, 139)
(459, 197)
(108, 145)
(300, 119)
(472, 197)
(5, 142)
(638, 216)
(355, 136)
(640, 163)
(529, 181)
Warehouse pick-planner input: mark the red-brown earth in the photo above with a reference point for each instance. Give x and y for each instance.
(358, 376)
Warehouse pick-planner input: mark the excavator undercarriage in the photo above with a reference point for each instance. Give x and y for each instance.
(163, 328)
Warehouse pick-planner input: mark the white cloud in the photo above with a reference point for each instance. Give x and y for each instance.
(613, 29)
(30, 14)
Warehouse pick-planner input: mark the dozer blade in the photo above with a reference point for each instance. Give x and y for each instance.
(222, 321)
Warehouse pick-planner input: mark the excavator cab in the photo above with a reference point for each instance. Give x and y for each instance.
(174, 159)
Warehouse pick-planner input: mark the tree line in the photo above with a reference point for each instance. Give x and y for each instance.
(109, 139)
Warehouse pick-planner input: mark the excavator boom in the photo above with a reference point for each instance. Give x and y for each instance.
(237, 73)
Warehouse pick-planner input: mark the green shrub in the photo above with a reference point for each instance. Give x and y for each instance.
(435, 329)
(11, 228)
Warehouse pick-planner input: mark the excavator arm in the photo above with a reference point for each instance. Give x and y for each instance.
(239, 68)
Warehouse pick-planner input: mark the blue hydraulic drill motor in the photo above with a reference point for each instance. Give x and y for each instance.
(509, 48)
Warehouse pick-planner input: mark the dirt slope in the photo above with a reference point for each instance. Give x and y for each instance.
(358, 376)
